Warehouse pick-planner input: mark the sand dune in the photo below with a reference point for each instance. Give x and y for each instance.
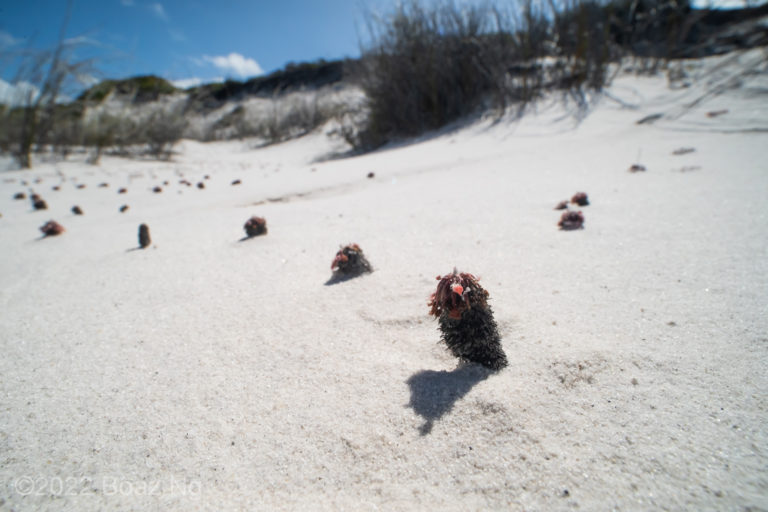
(208, 373)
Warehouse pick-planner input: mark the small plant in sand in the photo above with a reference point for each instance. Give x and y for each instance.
(580, 198)
(200, 185)
(157, 190)
(255, 226)
(637, 168)
(350, 262)
(38, 203)
(19, 196)
(571, 220)
(236, 182)
(562, 205)
(122, 190)
(466, 320)
(124, 208)
(77, 210)
(144, 239)
(52, 228)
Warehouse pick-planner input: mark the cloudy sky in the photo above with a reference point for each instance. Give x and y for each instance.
(186, 41)
(190, 41)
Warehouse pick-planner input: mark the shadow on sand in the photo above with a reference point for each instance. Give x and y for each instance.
(337, 278)
(433, 394)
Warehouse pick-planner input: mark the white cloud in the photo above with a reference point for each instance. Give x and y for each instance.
(159, 11)
(87, 79)
(81, 41)
(235, 63)
(6, 39)
(20, 93)
(177, 35)
(186, 83)
(24, 93)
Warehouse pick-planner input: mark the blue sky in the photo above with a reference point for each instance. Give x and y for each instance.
(192, 40)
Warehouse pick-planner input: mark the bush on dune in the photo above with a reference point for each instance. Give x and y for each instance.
(429, 64)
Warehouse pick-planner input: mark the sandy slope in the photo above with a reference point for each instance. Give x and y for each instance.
(206, 373)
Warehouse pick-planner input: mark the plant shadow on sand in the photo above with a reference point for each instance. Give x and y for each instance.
(434, 393)
(341, 278)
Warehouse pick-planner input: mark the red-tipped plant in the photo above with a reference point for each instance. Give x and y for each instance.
(571, 220)
(255, 226)
(580, 198)
(466, 320)
(350, 262)
(52, 228)
(562, 205)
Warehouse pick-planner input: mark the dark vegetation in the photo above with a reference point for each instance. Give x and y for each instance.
(255, 226)
(466, 322)
(294, 77)
(571, 220)
(51, 228)
(144, 239)
(428, 65)
(350, 262)
(423, 66)
(141, 89)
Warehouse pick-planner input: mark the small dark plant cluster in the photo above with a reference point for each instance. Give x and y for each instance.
(571, 219)
(466, 320)
(580, 198)
(350, 262)
(144, 239)
(38, 203)
(52, 228)
(255, 226)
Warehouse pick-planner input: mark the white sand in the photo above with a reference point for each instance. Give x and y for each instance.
(208, 374)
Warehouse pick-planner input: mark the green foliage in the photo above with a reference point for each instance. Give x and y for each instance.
(142, 88)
